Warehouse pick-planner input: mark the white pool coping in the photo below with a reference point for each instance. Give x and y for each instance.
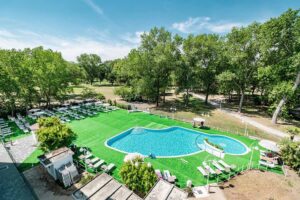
(178, 156)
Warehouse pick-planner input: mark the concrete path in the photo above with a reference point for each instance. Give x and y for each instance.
(12, 185)
(22, 148)
(248, 120)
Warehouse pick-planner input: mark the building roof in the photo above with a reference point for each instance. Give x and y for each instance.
(104, 187)
(164, 190)
(55, 155)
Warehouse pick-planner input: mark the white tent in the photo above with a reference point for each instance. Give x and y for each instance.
(270, 145)
(198, 119)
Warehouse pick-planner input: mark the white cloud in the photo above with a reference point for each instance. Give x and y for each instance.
(69, 47)
(204, 24)
(133, 38)
(94, 6)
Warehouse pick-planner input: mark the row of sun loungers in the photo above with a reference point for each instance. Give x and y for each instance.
(220, 166)
(95, 163)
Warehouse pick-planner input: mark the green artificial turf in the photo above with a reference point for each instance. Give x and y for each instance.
(92, 132)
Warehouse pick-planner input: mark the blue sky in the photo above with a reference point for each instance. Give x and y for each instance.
(111, 28)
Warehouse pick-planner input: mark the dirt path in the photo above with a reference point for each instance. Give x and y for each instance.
(249, 120)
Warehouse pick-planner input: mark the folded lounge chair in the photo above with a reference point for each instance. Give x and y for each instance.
(218, 166)
(203, 172)
(94, 160)
(98, 164)
(224, 164)
(267, 164)
(108, 168)
(211, 171)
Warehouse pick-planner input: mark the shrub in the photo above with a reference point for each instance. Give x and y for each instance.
(52, 134)
(290, 153)
(138, 176)
(213, 144)
(88, 93)
(109, 101)
(126, 93)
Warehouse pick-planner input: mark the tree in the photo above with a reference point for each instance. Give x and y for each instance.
(290, 153)
(51, 74)
(91, 63)
(185, 77)
(52, 134)
(138, 176)
(243, 54)
(152, 63)
(204, 56)
(279, 47)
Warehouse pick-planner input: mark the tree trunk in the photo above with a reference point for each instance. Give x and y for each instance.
(241, 102)
(207, 93)
(284, 99)
(187, 97)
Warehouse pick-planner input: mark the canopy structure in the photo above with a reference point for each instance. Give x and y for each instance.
(270, 145)
(198, 119)
(38, 114)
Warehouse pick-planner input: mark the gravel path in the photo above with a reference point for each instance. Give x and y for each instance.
(248, 120)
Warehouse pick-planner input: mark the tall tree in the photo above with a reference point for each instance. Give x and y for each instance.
(51, 74)
(152, 63)
(280, 47)
(91, 63)
(243, 54)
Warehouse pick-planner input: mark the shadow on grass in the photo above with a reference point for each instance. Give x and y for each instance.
(195, 106)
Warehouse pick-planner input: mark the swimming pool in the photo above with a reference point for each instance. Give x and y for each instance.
(170, 142)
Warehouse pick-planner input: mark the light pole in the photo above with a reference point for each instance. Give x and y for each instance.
(246, 127)
(252, 150)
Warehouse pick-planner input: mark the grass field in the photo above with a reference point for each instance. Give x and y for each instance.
(94, 131)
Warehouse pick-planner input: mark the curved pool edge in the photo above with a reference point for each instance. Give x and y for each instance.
(185, 155)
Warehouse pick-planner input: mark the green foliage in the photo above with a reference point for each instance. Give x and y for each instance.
(33, 76)
(91, 63)
(138, 176)
(89, 93)
(213, 144)
(126, 93)
(52, 134)
(290, 153)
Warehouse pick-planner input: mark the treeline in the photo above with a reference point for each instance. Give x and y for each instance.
(34, 76)
(261, 59)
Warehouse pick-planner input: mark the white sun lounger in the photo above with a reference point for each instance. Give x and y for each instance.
(267, 164)
(208, 168)
(98, 164)
(218, 166)
(94, 160)
(109, 167)
(203, 172)
(224, 164)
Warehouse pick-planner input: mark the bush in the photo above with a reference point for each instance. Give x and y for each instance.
(138, 176)
(109, 101)
(52, 134)
(123, 106)
(213, 144)
(126, 93)
(290, 153)
(88, 93)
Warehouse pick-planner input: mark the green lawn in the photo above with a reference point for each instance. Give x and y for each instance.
(94, 131)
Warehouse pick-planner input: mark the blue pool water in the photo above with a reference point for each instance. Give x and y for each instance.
(174, 141)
